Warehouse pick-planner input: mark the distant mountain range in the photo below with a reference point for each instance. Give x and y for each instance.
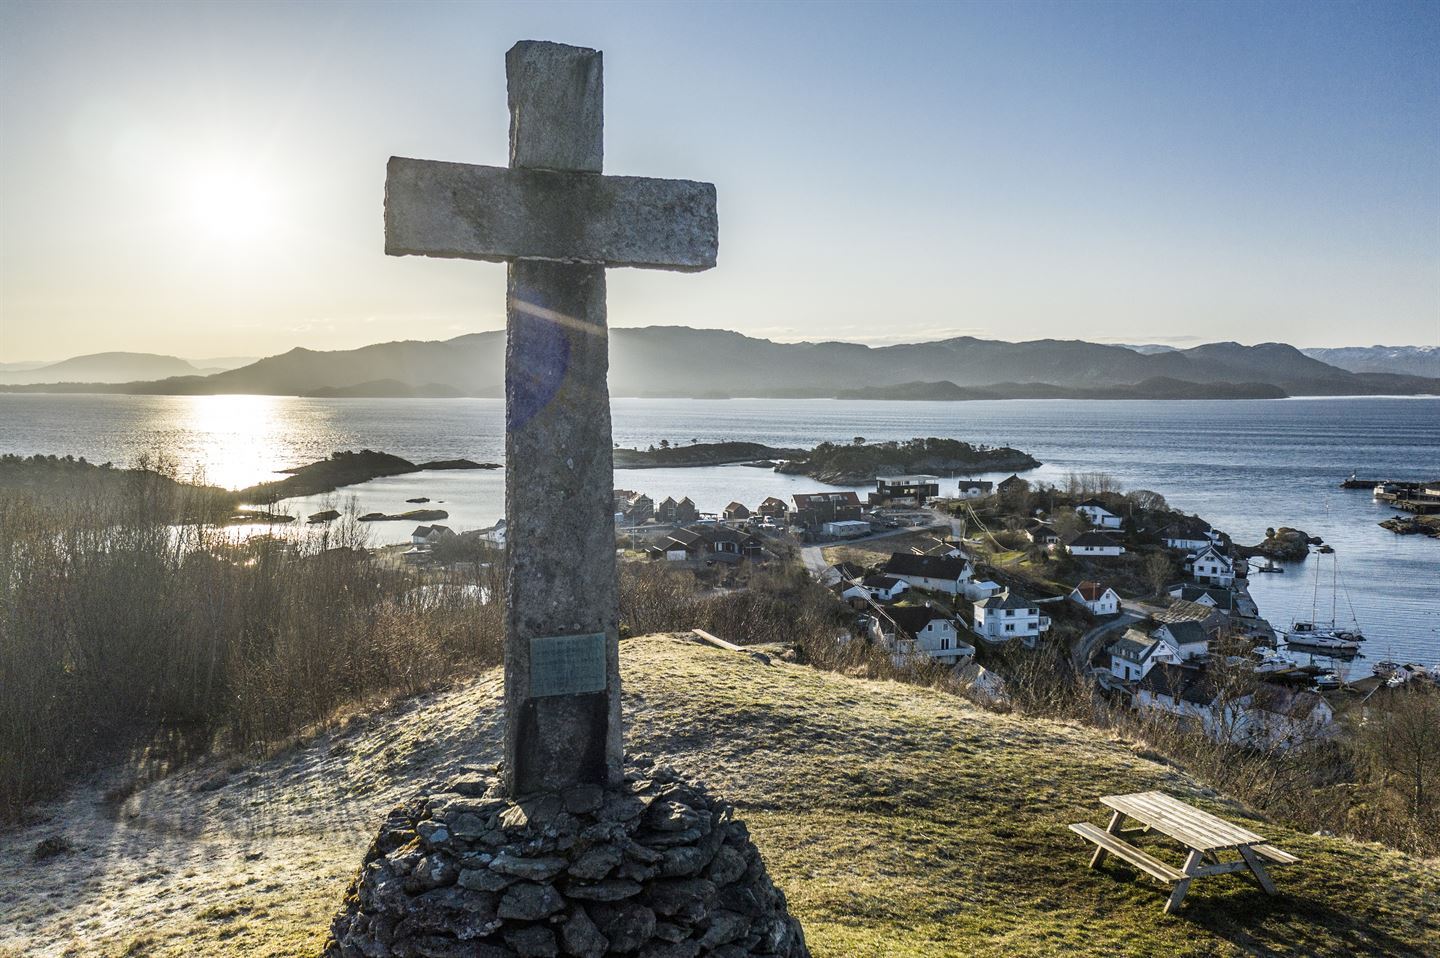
(710, 363)
(114, 368)
(1412, 360)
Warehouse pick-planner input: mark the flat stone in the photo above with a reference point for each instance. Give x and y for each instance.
(536, 941)
(664, 949)
(597, 862)
(679, 895)
(671, 816)
(669, 839)
(472, 785)
(483, 879)
(584, 799)
(530, 902)
(535, 869)
(468, 825)
(726, 867)
(622, 808)
(614, 889)
(628, 925)
(685, 861)
(581, 938)
(725, 927)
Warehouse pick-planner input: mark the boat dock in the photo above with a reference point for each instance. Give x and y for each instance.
(1420, 498)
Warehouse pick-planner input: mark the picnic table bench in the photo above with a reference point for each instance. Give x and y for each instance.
(1203, 834)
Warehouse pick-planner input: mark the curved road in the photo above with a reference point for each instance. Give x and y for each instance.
(1085, 646)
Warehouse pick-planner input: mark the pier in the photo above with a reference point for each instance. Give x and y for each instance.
(1417, 497)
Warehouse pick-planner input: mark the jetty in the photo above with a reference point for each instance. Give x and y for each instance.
(1421, 498)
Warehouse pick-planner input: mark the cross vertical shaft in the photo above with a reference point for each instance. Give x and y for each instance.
(559, 474)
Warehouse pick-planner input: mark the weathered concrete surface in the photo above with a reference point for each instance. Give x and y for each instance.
(558, 223)
(557, 106)
(559, 512)
(559, 482)
(465, 211)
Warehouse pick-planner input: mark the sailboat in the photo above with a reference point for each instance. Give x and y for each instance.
(1327, 636)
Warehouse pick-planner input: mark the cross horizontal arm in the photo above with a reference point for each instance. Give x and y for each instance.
(458, 210)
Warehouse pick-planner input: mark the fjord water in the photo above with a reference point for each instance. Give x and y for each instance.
(1243, 465)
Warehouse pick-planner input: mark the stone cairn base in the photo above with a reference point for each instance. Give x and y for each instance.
(654, 868)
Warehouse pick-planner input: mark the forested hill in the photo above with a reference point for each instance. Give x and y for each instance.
(709, 363)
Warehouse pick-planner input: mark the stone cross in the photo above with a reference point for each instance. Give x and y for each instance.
(557, 223)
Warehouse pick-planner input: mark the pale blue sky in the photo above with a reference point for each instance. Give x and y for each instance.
(207, 179)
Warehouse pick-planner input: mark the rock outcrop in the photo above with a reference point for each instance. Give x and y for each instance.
(655, 868)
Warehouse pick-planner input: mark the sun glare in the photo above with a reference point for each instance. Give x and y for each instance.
(230, 204)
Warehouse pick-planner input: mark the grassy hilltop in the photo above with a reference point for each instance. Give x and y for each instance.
(901, 823)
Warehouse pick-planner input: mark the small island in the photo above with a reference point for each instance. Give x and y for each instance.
(666, 454)
(346, 468)
(859, 462)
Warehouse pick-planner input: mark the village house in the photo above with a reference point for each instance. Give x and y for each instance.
(1042, 534)
(1099, 599)
(1210, 619)
(885, 588)
(1211, 565)
(842, 572)
(774, 509)
(1093, 544)
(1135, 653)
(665, 511)
(736, 512)
(685, 511)
(427, 537)
(495, 535)
(975, 488)
(946, 574)
(634, 508)
(1272, 716)
(707, 542)
(1014, 484)
(1009, 615)
(905, 490)
(1188, 533)
(1214, 596)
(1187, 641)
(1097, 515)
(1185, 692)
(814, 509)
(1279, 717)
(915, 633)
(853, 593)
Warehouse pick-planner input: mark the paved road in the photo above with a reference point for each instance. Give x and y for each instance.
(1085, 646)
(814, 559)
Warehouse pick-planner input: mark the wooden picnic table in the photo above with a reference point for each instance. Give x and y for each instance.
(1203, 834)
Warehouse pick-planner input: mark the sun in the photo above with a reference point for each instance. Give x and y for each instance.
(230, 204)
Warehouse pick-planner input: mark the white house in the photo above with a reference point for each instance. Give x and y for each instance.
(1099, 516)
(1187, 640)
(885, 588)
(1212, 566)
(1189, 533)
(1009, 615)
(1134, 654)
(933, 633)
(936, 573)
(975, 488)
(1099, 599)
(1094, 544)
(846, 528)
(980, 589)
(1272, 716)
(853, 592)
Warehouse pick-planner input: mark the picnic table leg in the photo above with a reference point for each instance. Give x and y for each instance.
(1192, 862)
(1114, 829)
(1258, 868)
